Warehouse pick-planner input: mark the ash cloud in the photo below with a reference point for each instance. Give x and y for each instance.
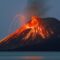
(37, 7)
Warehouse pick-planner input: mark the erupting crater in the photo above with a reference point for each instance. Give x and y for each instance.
(37, 27)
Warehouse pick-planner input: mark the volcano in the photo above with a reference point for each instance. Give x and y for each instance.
(36, 35)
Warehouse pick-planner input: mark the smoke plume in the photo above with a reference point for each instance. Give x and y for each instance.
(36, 7)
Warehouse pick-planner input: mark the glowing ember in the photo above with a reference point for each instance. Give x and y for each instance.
(36, 26)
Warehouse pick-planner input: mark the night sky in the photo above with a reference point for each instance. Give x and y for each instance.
(10, 8)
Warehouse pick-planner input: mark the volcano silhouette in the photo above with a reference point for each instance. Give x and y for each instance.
(36, 35)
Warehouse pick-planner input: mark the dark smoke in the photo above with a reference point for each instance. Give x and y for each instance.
(36, 7)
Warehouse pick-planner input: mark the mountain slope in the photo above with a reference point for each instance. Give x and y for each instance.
(18, 41)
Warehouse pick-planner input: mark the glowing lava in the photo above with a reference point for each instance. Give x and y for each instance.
(37, 27)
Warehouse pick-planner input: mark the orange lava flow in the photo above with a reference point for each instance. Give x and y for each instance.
(36, 26)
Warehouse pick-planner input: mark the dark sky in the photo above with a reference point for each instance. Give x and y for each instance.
(10, 8)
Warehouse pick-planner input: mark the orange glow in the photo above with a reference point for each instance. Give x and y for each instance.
(22, 19)
(31, 57)
(36, 26)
